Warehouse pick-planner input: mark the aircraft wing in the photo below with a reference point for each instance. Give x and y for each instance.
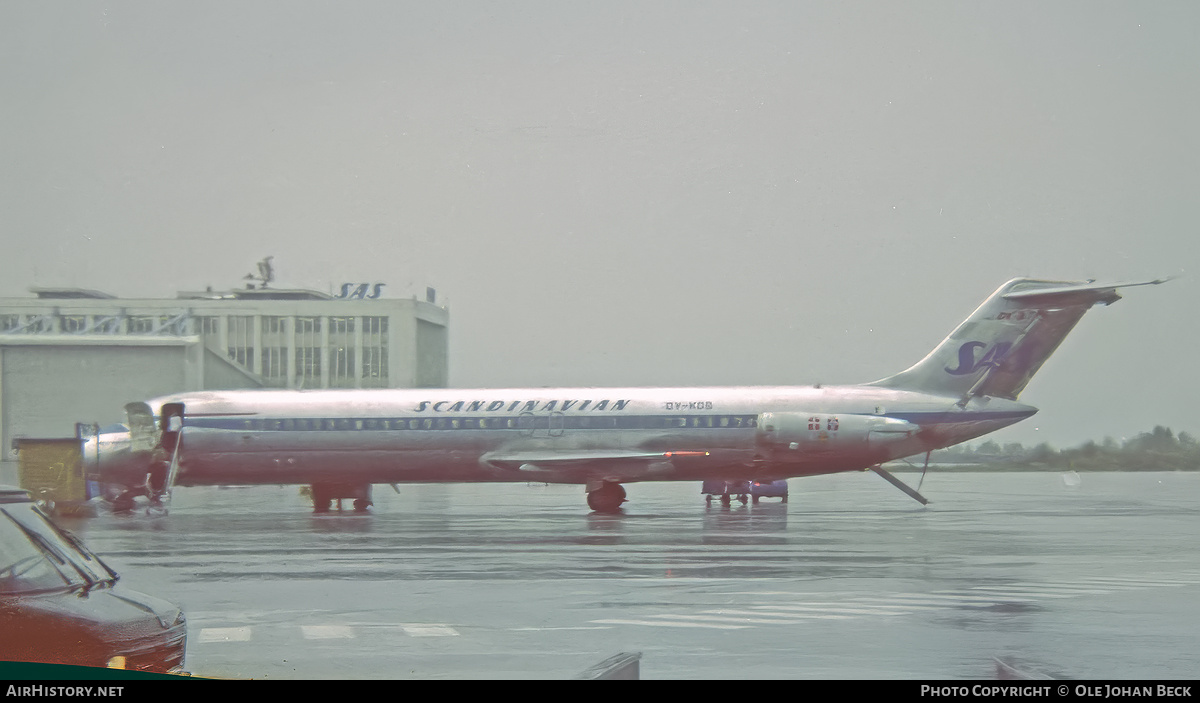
(613, 464)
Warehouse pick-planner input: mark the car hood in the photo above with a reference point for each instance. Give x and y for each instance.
(90, 628)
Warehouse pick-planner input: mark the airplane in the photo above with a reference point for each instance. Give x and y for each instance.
(341, 442)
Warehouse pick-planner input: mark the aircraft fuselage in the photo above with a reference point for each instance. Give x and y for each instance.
(577, 435)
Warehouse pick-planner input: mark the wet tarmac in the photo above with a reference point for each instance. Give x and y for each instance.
(1088, 577)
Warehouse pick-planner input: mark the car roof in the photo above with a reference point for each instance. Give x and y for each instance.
(13, 494)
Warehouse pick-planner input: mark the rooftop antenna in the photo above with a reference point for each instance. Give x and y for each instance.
(266, 274)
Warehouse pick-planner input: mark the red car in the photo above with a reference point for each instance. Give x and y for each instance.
(60, 604)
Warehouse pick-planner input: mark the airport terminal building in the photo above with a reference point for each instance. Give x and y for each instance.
(72, 356)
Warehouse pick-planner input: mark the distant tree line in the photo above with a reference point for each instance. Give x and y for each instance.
(1157, 450)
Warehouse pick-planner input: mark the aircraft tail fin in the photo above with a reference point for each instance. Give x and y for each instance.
(998, 349)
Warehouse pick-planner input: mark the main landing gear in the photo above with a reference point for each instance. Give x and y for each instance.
(606, 498)
(325, 493)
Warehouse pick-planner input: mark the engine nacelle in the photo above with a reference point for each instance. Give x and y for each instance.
(829, 431)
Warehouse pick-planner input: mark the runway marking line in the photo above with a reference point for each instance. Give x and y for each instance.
(225, 634)
(541, 629)
(420, 630)
(327, 632)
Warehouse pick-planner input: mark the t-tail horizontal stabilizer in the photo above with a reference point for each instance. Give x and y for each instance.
(900, 484)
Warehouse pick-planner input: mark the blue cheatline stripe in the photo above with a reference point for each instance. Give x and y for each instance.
(525, 422)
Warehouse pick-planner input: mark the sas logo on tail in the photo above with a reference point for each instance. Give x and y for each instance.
(967, 364)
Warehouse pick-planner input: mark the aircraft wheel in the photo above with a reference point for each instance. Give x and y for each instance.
(742, 498)
(607, 499)
(361, 505)
(708, 499)
(726, 499)
(124, 502)
(321, 498)
(754, 499)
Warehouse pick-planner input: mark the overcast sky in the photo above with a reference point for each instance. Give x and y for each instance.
(635, 192)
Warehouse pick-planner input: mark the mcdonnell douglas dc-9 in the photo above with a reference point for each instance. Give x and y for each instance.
(342, 441)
